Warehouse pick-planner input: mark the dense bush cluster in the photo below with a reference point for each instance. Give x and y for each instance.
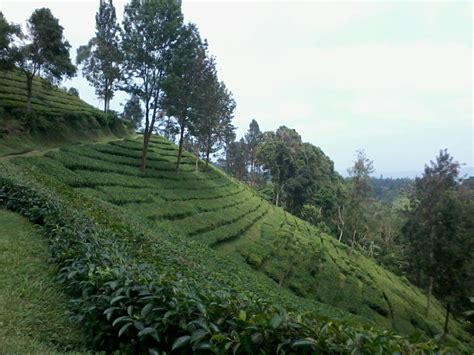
(124, 304)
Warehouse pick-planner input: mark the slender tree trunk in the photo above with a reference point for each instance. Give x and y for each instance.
(208, 152)
(196, 152)
(180, 149)
(29, 91)
(446, 321)
(146, 141)
(428, 298)
(106, 94)
(354, 233)
(146, 136)
(341, 222)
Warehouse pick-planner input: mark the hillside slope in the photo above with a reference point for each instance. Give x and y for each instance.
(33, 309)
(208, 226)
(57, 117)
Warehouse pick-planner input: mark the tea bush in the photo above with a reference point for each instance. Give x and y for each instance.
(135, 307)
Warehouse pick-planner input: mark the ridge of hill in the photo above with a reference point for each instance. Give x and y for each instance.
(212, 234)
(57, 117)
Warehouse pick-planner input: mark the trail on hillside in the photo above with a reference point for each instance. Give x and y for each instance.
(39, 152)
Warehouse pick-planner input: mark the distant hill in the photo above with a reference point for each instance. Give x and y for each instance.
(57, 117)
(411, 174)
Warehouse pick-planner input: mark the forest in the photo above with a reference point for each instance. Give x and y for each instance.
(171, 175)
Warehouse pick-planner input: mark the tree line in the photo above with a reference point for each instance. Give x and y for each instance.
(157, 58)
(422, 229)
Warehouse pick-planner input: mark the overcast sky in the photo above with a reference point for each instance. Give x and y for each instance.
(393, 78)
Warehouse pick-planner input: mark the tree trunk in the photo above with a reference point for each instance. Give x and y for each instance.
(145, 135)
(208, 152)
(180, 149)
(106, 95)
(29, 91)
(352, 242)
(446, 321)
(428, 298)
(341, 222)
(148, 130)
(196, 152)
(146, 141)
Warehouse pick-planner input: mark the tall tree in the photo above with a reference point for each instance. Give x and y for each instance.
(9, 52)
(253, 138)
(42, 51)
(133, 112)
(277, 153)
(73, 91)
(184, 81)
(150, 31)
(228, 140)
(214, 116)
(358, 197)
(237, 159)
(100, 58)
(440, 242)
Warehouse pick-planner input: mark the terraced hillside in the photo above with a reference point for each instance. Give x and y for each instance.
(57, 117)
(210, 227)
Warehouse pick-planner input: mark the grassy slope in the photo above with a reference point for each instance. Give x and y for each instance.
(256, 247)
(33, 311)
(58, 118)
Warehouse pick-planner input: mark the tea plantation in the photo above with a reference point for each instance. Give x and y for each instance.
(57, 117)
(155, 261)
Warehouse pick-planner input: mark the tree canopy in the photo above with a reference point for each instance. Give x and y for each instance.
(101, 57)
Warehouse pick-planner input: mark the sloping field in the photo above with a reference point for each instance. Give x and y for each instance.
(219, 233)
(57, 117)
(33, 309)
(46, 98)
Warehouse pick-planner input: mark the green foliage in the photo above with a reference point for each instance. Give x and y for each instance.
(8, 33)
(57, 117)
(133, 112)
(301, 174)
(214, 114)
(150, 32)
(262, 245)
(439, 232)
(358, 200)
(125, 301)
(101, 57)
(45, 52)
(185, 83)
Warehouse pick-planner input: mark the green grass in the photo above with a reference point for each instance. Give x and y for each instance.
(33, 309)
(291, 256)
